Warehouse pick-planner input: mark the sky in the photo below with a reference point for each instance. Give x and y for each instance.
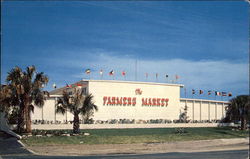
(204, 43)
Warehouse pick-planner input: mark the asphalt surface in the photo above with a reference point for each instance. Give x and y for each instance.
(11, 148)
(238, 154)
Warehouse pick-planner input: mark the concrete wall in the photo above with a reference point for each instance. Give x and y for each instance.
(200, 109)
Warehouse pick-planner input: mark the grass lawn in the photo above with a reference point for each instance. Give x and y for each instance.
(129, 136)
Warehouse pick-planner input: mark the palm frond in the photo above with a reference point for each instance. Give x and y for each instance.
(31, 108)
(60, 106)
(88, 105)
(40, 80)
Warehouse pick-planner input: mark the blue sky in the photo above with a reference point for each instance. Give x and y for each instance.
(205, 43)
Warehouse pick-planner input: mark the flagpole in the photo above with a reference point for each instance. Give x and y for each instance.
(136, 70)
(185, 90)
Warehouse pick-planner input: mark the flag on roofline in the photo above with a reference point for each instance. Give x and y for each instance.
(123, 73)
(224, 93)
(68, 86)
(79, 84)
(217, 93)
(111, 73)
(101, 72)
(177, 77)
(87, 71)
(201, 91)
(193, 91)
(209, 92)
(54, 86)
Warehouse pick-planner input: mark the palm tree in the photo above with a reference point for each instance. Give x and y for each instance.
(26, 90)
(239, 109)
(78, 103)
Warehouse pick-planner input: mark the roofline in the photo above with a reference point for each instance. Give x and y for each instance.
(133, 82)
(204, 100)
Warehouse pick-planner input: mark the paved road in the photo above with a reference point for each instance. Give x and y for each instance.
(235, 154)
(10, 146)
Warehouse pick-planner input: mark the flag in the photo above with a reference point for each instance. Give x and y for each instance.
(224, 93)
(54, 86)
(123, 73)
(87, 71)
(111, 73)
(177, 77)
(201, 91)
(193, 91)
(101, 72)
(68, 86)
(217, 93)
(209, 92)
(78, 84)
(229, 94)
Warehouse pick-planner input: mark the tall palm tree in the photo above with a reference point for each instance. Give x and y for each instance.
(26, 90)
(239, 109)
(77, 103)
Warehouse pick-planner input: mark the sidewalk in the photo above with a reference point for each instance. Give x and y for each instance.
(107, 149)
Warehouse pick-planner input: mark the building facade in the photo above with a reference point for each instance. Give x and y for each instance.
(138, 101)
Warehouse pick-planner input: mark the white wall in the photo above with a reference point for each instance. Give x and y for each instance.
(208, 110)
(127, 89)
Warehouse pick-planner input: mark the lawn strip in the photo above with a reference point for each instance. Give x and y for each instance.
(130, 136)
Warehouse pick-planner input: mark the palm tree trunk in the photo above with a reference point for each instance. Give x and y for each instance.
(27, 117)
(20, 122)
(243, 123)
(28, 123)
(76, 124)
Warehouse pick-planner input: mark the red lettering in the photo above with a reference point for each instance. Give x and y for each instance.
(129, 100)
(162, 102)
(109, 101)
(144, 101)
(158, 101)
(149, 101)
(104, 100)
(119, 101)
(113, 100)
(134, 101)
(166, 101)
(124, 100)
(154, 101)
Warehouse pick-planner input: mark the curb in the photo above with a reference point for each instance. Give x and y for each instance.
(32, 152)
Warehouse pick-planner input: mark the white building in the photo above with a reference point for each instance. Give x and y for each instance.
(138, 101)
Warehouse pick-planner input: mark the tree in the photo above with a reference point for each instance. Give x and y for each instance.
(239, 110)
(77, 103)
(183, 116)
(25, 91)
